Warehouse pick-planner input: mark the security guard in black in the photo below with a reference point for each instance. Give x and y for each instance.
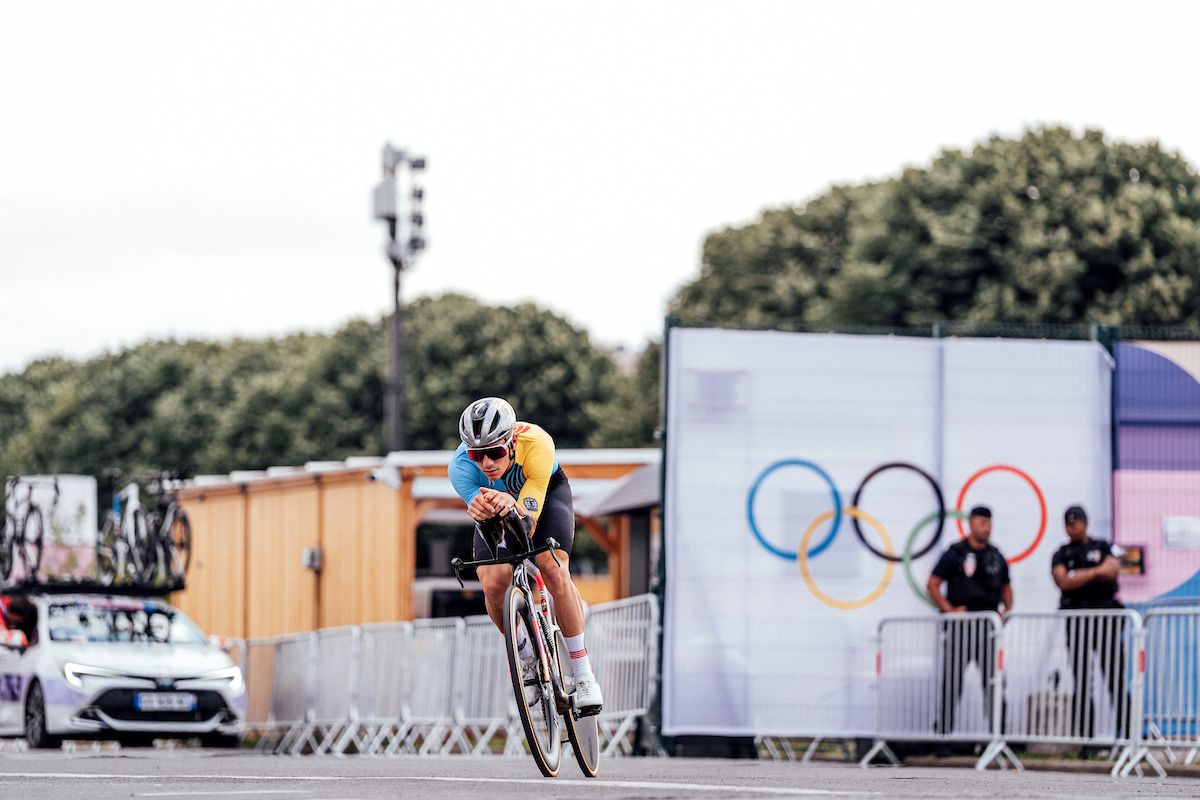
(975, 572)
(1087, 578)
(975, 579)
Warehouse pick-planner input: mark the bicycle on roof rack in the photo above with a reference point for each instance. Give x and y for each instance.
(123, 548)
(170, 530)
(23, 526)
(546, 704)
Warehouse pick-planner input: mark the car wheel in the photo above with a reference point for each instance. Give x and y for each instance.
(35, 720)
(221, 740)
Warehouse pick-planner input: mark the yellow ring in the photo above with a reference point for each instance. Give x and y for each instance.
(846, 605)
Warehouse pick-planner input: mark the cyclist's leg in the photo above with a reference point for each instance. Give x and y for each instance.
(557, 521)
(495, 579)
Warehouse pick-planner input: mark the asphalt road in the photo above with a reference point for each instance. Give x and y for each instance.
(200, 774)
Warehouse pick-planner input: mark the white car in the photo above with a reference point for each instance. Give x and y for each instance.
(122, 668)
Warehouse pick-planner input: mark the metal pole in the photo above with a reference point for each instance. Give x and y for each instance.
(395, 395)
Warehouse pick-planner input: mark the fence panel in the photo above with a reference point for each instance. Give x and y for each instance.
(1074, 677)
(337, 674)
(292, 690)
(622, 642)
(1171, 695)
(483, 690)
(435, 644)
(938, 679)
(383, 680)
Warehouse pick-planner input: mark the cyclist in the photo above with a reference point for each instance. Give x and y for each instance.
(506, 473)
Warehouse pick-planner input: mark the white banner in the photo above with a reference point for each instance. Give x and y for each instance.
(769, 438)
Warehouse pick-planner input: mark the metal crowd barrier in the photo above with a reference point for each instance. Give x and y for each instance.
(433, 686)
(1170, 718)
(622, 642)
(938, 679)
(1070, 677)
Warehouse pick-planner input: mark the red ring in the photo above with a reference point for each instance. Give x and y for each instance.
(1028, 551)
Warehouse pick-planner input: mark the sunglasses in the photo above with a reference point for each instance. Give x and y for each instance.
(494, 453)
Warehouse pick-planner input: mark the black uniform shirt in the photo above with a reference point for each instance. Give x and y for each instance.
(974, 578)
(1098, 593)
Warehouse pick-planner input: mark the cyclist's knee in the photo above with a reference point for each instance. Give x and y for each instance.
(556, 576)
(494, 580)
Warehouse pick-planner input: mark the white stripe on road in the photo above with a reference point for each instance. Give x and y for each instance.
(663, 785)
(221, 794)
(691, 787)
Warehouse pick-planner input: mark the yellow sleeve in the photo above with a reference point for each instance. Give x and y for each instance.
(535, 456)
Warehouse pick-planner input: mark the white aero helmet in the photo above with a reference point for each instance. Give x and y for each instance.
(486, 422)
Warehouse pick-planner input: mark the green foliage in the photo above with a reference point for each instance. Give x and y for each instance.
(1047, 228)
(630, 418)
(250, 404)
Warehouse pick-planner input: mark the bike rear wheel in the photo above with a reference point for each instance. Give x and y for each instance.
(539, 718)
(583, 732)
(29, 542)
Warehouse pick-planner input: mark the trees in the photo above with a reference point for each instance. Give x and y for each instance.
(1050, 227)
(250, 404)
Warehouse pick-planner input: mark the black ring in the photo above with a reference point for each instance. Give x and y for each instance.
(937, 491)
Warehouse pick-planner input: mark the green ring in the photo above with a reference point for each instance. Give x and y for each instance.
(908, 548)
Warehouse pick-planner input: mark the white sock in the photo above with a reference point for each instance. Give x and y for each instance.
(580, 664)
(524, 646)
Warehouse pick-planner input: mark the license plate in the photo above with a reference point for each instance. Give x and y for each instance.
(164, 701)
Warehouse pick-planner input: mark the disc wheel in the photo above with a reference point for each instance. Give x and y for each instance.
(583, 732)
(539, 717)
(29, 546)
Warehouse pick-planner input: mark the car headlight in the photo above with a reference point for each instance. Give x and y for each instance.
(74, 673)
(231, 674)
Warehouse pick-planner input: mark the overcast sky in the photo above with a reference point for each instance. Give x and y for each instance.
(204, 169)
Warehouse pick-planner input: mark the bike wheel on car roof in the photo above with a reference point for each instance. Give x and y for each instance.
(29, 542)
(539, 715)
(177, 546)
(107, 565)
(8, 526)
(143, 553)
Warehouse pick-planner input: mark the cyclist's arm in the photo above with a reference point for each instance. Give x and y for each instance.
(538, 466)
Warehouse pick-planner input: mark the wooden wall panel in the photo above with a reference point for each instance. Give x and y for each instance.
(343, 551)
(388, 567)
(281, 595)
(216, 593)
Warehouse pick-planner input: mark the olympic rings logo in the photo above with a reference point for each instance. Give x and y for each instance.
(857, 515)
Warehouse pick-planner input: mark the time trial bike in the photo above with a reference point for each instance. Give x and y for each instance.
(546, 702)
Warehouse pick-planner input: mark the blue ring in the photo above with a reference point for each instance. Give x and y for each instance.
(837, 506)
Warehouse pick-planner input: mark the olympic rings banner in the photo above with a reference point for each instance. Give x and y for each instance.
(812, 481)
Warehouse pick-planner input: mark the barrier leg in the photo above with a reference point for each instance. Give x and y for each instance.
(879, 747)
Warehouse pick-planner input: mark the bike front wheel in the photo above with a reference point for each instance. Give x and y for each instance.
(535, 702)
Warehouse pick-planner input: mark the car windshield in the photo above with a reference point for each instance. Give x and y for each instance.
(117, 621)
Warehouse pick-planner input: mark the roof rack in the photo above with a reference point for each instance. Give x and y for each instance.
(33, 586)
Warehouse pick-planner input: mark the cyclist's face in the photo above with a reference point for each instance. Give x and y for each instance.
(493, 468)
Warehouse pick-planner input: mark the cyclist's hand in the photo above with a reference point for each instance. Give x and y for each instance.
(500, 501)
(481, 508)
